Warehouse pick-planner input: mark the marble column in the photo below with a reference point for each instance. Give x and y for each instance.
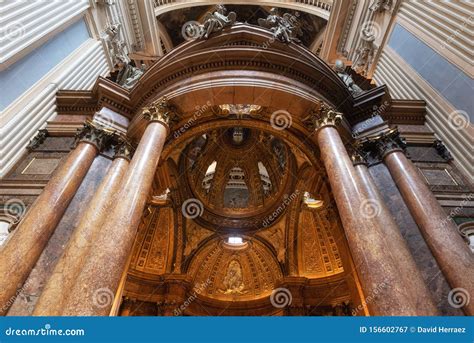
(410, 275)
(440, 233)
(62, 280)
(379, 275)
(96, 286)
(22, 251)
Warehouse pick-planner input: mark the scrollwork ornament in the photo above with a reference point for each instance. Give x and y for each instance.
(37, 140)
(442, 150)
(161, 111)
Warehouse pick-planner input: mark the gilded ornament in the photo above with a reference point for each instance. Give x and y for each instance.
(161, 111)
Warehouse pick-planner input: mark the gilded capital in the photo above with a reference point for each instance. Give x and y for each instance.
(124, 149)
(324, 116)
(94, 134)
(358, 158)
(161, 111)
(389, 142)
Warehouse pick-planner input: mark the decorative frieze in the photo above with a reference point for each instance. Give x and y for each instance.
(137, 25)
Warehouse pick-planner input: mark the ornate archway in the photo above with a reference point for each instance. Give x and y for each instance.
(231, 125)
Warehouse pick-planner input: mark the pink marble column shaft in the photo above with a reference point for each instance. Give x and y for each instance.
(397, 247)
(70, 264)
(379, 275)
(22, 251)
(441, 234)
(98, 281)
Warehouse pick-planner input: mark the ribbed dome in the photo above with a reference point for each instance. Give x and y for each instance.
(237, 172)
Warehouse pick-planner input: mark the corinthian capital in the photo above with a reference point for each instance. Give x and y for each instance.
(324, 116)
(94, 134)
(124, 148)
(161, 111)
(389, 142)
(358, 158)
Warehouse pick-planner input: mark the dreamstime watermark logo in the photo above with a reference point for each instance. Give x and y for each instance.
(281, 297)
(14, 31)
(371, 29)
(191, 30)
(192, 208)
(10, 301)
(456, 33)
(370, 208)
(106, 120)
(199, 111)
(376, 112)
(47, 330)
(103, 297)
(370, 298)
(281, 120)
(459, 120)
(15, 207)
(458, 297)
(198, 289)
(268, 43)
(269, 220)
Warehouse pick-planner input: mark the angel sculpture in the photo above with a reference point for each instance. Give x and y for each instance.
(115, 44)
(365, 53)
(285, 28)
(216, 21)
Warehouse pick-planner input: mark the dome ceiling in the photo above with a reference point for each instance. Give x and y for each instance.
(238, 174)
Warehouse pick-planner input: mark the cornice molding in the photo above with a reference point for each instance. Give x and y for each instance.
(237, 48)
